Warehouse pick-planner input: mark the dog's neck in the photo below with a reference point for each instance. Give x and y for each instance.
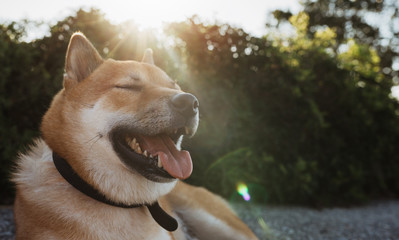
(67, 172)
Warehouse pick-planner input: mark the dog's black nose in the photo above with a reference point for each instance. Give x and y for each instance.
(186, 104)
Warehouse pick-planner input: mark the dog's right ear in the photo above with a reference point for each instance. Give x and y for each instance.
(148, 58)
(81, 60)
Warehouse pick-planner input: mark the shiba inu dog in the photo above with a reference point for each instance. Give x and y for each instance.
(109, 161)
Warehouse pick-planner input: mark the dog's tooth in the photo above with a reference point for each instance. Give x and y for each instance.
(145, 153)
(187, 130)
(139, 150)
(134, 141)
(159, 163)
(150, 155)
(129, 142)
(136, 147)
(132, 147)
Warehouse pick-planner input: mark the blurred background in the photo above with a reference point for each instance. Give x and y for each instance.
(298, 103)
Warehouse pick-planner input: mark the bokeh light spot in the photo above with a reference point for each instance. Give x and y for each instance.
(242, 189)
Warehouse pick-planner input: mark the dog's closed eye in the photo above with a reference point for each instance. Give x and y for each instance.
(130, 87)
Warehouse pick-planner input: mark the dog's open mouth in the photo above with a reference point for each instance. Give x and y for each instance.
(155, 157)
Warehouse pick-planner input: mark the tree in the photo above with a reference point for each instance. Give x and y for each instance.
(23, 80)
(368, 22)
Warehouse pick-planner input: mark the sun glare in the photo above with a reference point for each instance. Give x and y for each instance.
(154, 13)
(146, 14)
(242, 189)
(250, 15)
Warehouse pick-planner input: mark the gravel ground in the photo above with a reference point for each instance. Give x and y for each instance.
(7, 228)
(372, 222)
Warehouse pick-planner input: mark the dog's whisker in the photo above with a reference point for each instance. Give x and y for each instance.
(99, 135)
(94, 140)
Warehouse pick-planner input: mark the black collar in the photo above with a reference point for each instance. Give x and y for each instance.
(159, 215)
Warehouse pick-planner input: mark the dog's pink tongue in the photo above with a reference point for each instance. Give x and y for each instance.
(177, 163)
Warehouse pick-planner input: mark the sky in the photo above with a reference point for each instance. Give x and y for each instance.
(248, 14)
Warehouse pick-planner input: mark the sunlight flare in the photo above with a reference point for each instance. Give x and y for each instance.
(242, 189)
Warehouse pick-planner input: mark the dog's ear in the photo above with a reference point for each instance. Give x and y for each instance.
(81, 60)
(147, 58)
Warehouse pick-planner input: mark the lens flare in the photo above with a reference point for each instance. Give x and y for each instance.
(242, 189)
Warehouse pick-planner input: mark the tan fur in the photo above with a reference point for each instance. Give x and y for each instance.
(76, 126)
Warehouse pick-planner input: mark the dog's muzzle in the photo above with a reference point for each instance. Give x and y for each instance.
(157, 155)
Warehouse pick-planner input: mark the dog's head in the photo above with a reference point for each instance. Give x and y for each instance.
(120, 124)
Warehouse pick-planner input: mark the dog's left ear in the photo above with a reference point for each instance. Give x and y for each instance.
(148, 58)
(81, 60)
